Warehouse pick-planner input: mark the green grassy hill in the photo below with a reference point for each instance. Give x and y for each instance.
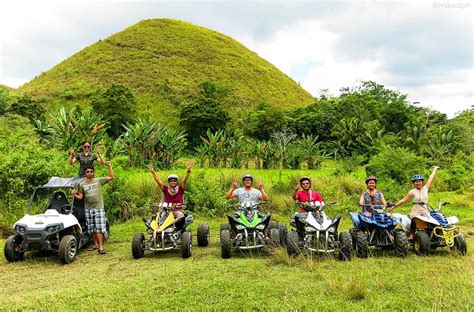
(163, 61)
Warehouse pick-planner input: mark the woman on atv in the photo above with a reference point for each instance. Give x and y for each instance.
(172, 193)
(371, 196)
(86, 157)
(420, 198)
(303, 192)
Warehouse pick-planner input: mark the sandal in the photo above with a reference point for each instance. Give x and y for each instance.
(102, 252)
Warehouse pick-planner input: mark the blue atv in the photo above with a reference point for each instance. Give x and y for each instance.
(374, 227)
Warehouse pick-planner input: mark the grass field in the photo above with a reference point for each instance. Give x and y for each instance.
(116, 281)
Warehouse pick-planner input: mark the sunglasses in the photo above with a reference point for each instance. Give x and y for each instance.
(89, 171)
(172, 180)
(87, 146)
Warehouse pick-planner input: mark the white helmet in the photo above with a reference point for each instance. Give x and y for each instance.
(173, 176)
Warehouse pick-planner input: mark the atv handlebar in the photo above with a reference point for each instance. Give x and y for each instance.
(313, 206)
(165, 206)
(248, 206)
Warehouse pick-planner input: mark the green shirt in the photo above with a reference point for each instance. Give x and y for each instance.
(85, 161)
(92, 191)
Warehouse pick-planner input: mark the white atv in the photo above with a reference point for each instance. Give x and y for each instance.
(317, 234)
(435, 230)
(61, 228)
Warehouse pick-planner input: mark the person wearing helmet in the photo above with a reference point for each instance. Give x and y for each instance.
(303, 193)
(371, 196)
(420, 198)
(174, 191)
(246, 194)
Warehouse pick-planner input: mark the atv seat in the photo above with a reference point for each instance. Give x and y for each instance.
(58, 199)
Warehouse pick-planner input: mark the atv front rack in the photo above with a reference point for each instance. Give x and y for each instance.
(447, 234)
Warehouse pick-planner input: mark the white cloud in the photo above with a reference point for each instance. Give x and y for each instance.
(407, 46)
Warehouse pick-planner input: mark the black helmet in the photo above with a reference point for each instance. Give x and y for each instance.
(305, 178)
(370, 177)
(247, 176)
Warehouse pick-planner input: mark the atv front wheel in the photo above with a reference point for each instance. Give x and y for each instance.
(138, 245)
(68, 248)
(186, 244)
(272, 225)
(421, 243)
(225, 226)
(362, 246)
(293, 247)
(13, 250)
(401, 244)
(226, 244)
(275, 237)
(203, 235)
(460, 244)
(345, 249)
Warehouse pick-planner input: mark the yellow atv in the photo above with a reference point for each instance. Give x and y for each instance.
(166, 232)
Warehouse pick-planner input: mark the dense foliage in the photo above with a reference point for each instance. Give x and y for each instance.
(367, 130)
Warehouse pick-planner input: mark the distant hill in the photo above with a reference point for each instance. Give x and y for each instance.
(163, 62)
(6, 87)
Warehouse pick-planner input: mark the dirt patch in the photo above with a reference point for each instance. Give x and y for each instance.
(6, 231)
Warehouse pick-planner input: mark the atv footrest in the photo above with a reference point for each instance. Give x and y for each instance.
(250, 247)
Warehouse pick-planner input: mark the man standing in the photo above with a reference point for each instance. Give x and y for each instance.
(90, 189)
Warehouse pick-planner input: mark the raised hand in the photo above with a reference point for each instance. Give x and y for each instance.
(150, 166)
(234, 184)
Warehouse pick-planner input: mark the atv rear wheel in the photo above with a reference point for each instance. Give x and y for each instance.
(275, 237)
(186, 244)
(68, 248)
(401, 244)
(138, 245)
(421, 243)
(460, 244)
(226, 244)
(283, 234)
(12, 249)
(203, 235)
(293, 247)
(345, 249)
(353, 237)
(362, 246)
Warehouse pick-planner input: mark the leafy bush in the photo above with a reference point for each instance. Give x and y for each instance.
(205, 197)
(398, 164)
(459, 174)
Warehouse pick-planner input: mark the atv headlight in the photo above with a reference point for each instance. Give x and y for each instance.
(21, 229)
(53, 228)
(239, 227)
(309, 229)
(260, 227)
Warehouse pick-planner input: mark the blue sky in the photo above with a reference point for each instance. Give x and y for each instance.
(422, 48)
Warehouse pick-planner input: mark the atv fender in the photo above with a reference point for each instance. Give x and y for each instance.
(355, 219)
(335, 221)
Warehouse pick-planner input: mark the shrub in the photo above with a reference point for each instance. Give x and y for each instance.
(396, 163)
